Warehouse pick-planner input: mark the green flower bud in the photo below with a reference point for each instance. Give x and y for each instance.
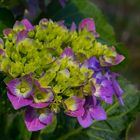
(47, 78)
(31, 34)
(25, 46)
(15, 69)
(5, 64)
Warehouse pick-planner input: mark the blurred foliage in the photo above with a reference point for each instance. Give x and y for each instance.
(77, 10)
(9, 3)
(6, 19)
(120, 118)
(124, 16)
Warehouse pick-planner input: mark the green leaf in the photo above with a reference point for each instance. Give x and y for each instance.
(76, 10)
(114, 128)
(18, 130)
(12, 126)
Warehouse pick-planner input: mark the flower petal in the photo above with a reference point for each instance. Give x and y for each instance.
(62, 24)
(106, 88)
(93, 63)
(90, 101)
(27, 24)
(7, 31)
(39, 105)
(21, 35)
(74, 106)
(107, 99)
(115, 59)
(90, 25)
(32, 120)
(67, 52)
(74, 103)
(73, 27)
(117, 89)
(46, 117)
(12, 85)
(119, 58)
(77, 113)
(2, 52)
(86, 120)
(18, 102)
(98, 113)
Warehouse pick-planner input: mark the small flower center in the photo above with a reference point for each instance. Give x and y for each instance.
(39, 96)
(22, 90)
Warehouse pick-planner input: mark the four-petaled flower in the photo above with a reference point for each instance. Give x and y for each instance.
(93, 111)
(37, 119)
(19, 91)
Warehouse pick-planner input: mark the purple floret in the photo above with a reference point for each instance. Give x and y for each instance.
(67, 52)
(75, 108)
(20, 91)
(89, 24)
(37, 119)
(93, 111)
(27, 24)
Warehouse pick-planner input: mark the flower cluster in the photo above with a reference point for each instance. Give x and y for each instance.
(52, 68)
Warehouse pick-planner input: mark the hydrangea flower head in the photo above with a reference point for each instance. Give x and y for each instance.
(53, 68)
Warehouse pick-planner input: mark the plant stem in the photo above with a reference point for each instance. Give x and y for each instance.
(35, 135)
